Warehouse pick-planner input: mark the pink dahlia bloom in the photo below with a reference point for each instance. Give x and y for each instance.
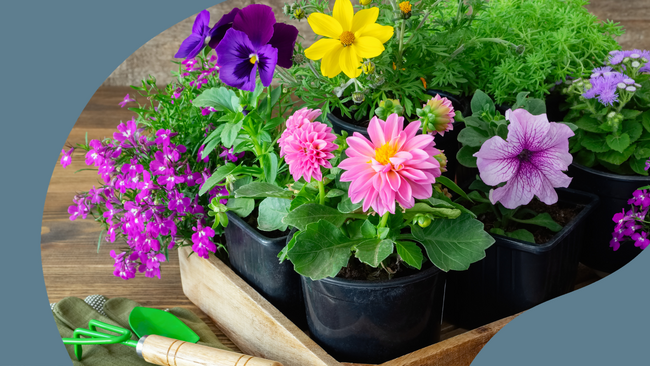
(295, 121)
(306, 146)
(531, 161)
(395, 165)
(443, 112)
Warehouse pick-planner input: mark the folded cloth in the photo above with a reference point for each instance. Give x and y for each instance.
(71, 313)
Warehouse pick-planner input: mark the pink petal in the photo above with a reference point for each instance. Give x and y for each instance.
(376, 132)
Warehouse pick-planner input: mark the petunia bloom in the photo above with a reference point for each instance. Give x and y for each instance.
(254, 42)
(307, 147)
(531, 161)
(396, 164)
(349, 38)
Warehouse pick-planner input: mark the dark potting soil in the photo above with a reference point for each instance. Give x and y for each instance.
(356, 270)
(251, 220)
(337, 113)
(561, 212)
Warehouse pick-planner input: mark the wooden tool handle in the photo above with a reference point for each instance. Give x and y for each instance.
(172, 352)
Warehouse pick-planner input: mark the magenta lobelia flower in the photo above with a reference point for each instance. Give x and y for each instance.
(127, 99)
(394, 165)
(307, 147)
(66, 158)
(531, 161)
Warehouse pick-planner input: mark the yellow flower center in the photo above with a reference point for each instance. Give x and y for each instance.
(346, 38)
(253, 59)
(384, 153)
(405, 7)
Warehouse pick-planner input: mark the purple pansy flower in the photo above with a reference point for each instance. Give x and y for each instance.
(254, 41)
(193, 44)
(531, 161)
(66, 158)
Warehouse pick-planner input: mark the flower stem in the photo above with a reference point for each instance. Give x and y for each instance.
(401, 44)
(321, 192)
(384, 220)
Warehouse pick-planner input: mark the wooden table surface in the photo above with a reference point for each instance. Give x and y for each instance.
(74, 266)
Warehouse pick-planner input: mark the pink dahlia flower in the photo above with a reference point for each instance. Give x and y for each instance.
(295, 121)
(443, 115)
(395, 165)
(306, 146)
(531, 161)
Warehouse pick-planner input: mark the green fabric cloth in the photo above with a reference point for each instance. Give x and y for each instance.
(71, 313)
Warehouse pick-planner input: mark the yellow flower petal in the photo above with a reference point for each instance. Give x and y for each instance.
(322, 47)
(325, 25)
(381, 32)
(364, 17)
(368, 47)
(330, 64)
(350, 64)
(343, 12)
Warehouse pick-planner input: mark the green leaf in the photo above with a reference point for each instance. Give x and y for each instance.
(589, 124)
(435, 202)
(615, 157)
(230, 132)
(638, 165)
(271, 212)
(595, 143)
(544, 219)
(586, 158)
(270, 166)
(241, 206)
(334, 193)
(642, 150)
(273, 123)
(572, 126)
(618, 143)
(536, 106)
(440, 212)
(262, 189)
(632, 128)
(219, 98)
(497, 231)
(476, 196)
(471, 136)
(298, 201)
(346, 205)
(313, 212)
(476, 122)
(481, 103)
(479, 185)
(454, 244)
(451, 185)
(368, 230)
(252, 96)
(502, 131)
(321, 250)
(521, 234)
(372, 252)
(410, 253)
(645, 120)
(630, 114)
(466, 156)
(218, 176)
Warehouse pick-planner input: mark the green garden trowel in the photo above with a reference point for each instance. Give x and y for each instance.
(164, 340)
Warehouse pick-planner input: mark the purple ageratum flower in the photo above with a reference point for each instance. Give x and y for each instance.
(531, 161)
(193, 44)
(255, 42)
(66, 158)
(229, 154)
(127, 99)
(605, 87)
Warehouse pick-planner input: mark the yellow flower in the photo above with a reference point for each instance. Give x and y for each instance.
(405, 7)
(365, 2)
(350, 38)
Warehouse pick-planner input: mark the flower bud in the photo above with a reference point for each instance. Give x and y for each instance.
(365, 2)
(368, 67)
(299, 14)
(405, 8)
(358, 97)
(299, 58)
(442, 159)
(437, 115)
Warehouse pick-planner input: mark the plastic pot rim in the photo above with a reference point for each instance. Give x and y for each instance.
(344, 282)
(613, 176)
(266, 241)
(529, 247)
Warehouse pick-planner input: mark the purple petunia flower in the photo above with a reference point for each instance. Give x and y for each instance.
(254, 42)
(193, 44)
(66, 158)
(127, 99)
(531, 161)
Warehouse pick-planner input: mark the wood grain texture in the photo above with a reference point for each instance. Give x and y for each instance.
(245, 316)
(172, 352)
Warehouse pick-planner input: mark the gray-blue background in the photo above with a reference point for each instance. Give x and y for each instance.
(56, 54)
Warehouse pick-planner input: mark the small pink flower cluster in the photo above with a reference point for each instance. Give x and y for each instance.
(307, 145)
(631, 224)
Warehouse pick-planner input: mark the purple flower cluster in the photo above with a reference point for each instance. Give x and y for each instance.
(640, 56)
(606, 83)
(202, 71)
(632, 224)
(146, 197)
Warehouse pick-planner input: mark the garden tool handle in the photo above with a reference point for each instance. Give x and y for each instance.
(172, 352)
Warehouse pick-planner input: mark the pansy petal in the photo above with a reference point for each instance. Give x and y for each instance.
(368, 47)
(267, 59)
(284, 39)
(381, 32)
(233, 53)
(321, 48)
(350, 64)
(344, 13)
(330, 65)
(190, 47)
(201, 23)
(256, 20)
(219, 30)
(325, 25)
(364, 17)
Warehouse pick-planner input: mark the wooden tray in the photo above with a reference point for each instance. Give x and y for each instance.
(259, 329)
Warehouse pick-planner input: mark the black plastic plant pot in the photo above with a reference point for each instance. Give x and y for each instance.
(613, 190)
(516, 275)
(375, 321)
(254, 258)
